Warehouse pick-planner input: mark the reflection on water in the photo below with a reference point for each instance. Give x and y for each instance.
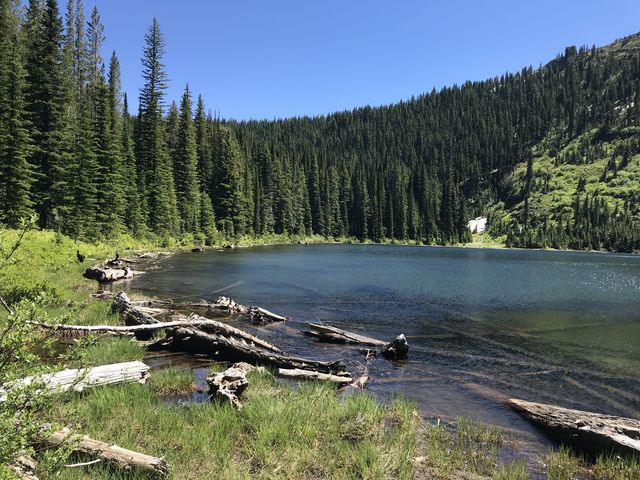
(557, 327)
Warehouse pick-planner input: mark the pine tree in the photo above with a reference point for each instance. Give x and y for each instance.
(133, 217)
(45, 100)
(186, 173)
(228, 200)
(16, 174)
(154, 164)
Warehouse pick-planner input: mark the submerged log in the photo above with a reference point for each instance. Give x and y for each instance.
(327, 333)
(588, 431)
(107, 274)
(231, 348)
(313, 375)
(108, 451)
(397, 349)
(228, 386)
(79, 379)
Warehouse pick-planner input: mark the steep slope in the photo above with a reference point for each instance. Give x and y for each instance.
(426, 165)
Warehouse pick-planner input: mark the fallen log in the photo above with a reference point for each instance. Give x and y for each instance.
(132, 315)
(327, 333)
(24, 467)
(313, 375)
(356, 385)
(81, 378)
(255, 314)
(231, 348)
(121, 457)
(193, 321)
(588, 431)
(228, 386)
(396, 349)
(107, 274)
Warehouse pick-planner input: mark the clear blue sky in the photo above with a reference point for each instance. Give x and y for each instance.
(281, 58)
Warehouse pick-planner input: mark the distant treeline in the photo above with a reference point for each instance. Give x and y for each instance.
(72, 153)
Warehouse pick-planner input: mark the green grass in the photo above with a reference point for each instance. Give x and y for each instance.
(564, 464)
(466, 450)
(281, 432)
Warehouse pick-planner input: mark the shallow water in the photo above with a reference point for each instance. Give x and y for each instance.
(555, 327)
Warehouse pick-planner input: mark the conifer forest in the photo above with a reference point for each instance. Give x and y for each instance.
(551, 155)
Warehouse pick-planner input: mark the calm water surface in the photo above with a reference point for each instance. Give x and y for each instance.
(555, 327)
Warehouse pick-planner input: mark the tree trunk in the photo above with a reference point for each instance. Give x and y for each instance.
(327, 333)
(192, 321)
(79, 379)
(233, 349)
(313, 375)
(107, 451)
(588, 431)
(107, 274)
(228, 386)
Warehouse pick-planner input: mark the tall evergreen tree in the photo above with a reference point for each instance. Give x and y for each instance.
(186, 173)
(154, 164)
(45, 100)
(16, 174)
(228, 198)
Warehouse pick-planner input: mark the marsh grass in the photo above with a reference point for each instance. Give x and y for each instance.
(281, 432)
(564, 464)
(466, 449)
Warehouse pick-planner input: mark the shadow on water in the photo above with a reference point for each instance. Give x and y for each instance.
(552, 327)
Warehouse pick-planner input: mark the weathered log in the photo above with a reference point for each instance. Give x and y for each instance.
(132, 315)
(231, 348)
(256, 314)
(108, 451)
(193, 321)
(588, 431)
(313, 375)
(78, 379)
(356, 385)
(327, 333)
(24, 467)
(228, 386)
(398, 348)
(106, 274)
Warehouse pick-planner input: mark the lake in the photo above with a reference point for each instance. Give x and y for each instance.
(482, 324)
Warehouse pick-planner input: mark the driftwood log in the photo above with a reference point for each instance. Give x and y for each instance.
(132, 315)
(327, 333)
(398, 348)
(300, 374)
(192, 321)
(228, 386)
(24, 467)
(256, 314)
(237, 349)
(108, 274)
(587, 431)
(79, 379)
(110, 452)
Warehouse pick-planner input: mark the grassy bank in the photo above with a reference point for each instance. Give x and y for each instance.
(284, 430)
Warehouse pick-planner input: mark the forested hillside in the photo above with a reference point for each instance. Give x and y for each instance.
(550, 155)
